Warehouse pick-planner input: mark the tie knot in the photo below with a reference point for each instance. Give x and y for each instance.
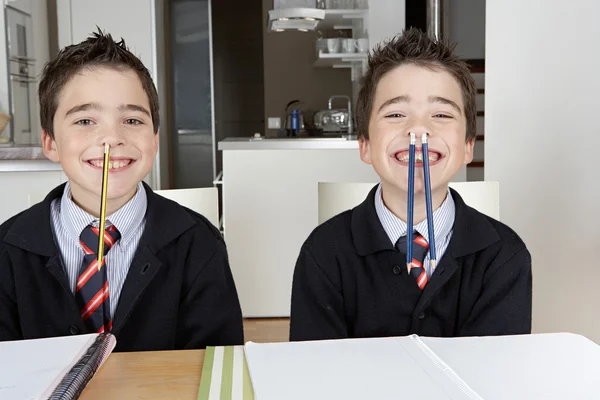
(419, 246)
(90, 239)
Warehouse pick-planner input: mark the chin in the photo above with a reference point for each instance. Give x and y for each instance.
(121, 191)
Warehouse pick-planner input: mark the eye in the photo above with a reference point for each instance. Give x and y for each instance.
(395, 115)
(443, 116)
(84, 122)
(133, 121)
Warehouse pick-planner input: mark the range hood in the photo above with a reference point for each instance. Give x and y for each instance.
(296, 19)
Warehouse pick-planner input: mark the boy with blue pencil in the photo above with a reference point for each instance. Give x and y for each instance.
(413, 258)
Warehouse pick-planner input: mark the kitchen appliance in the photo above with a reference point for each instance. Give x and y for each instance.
(22, 81)
(294, 118)
(338, 120)
(294, 19)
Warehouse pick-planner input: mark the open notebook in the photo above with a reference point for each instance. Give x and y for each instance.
(52, 368)
(540, 366)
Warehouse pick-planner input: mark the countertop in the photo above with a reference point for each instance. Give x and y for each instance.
(20, 158)
(302, 143)
(21, 152)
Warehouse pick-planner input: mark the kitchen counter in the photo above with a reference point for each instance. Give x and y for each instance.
(300, 143)
(21, 152)
(24, 158)
(270, 206)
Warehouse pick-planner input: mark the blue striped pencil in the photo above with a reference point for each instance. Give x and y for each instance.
(411, 201)
(427, 178)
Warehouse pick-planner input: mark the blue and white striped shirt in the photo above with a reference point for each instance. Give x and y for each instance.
(443, 221)
(69, 220)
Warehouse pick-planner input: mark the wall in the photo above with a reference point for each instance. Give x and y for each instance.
(542, 88)
(238, 69)
(466, 27)
(289, 75)
(386, 19)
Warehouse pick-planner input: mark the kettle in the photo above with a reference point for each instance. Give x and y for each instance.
(294, 118)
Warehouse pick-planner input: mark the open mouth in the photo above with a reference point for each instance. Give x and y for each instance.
(433, 156)
(115, 164)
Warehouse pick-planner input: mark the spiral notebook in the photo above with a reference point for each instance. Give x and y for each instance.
(53, 368)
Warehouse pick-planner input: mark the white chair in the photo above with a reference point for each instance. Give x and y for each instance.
(335, 198)
(204, 201)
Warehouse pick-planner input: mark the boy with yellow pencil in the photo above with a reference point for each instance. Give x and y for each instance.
(103, 252)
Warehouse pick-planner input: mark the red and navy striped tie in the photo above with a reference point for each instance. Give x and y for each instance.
(91, 293)
(419, 250)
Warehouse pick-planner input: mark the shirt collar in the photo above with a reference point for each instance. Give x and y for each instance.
(395, 228)
(126, 219)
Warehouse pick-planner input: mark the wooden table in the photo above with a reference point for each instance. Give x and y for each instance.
(148, 375)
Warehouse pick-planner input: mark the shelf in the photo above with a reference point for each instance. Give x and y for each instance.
(339, 60)
(341, 19)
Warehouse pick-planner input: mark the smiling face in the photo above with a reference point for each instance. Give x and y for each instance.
(416, 99)
(103, 105)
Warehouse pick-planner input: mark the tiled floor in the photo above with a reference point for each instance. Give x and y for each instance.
(262, 330)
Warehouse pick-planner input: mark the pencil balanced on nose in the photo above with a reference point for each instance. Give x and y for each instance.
(103, 196)
(410, 203)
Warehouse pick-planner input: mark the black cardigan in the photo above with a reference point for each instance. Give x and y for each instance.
(179, 292)
(350, 281)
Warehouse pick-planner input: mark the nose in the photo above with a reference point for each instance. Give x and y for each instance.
(113, 136)
(418, 130)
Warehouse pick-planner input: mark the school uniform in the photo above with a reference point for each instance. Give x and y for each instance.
(170, 282)
(351, 281)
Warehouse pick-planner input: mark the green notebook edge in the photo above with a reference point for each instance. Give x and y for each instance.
(225, 390)
(206, 375)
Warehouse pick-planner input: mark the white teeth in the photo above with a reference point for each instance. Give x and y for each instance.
(418, 157)
(111, 164)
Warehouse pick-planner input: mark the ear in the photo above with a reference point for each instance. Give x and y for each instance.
(365, 150)
(49, 147)
(156, 140)
(469, 151)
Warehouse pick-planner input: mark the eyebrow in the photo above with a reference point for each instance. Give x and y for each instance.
(134, 107)
(431, 99)
(96, 106)
(443, 100)
(83, 107)
(398, 99)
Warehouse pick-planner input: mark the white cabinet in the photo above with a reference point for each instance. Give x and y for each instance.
(25, 6)
(25, 188)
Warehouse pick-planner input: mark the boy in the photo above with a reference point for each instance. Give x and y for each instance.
(167, 282)
(351, 278)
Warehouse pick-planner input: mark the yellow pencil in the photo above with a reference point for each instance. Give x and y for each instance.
(103, 205)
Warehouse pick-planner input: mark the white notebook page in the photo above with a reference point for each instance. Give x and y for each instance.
(381, 368)
(556, 366)
(31, 369)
